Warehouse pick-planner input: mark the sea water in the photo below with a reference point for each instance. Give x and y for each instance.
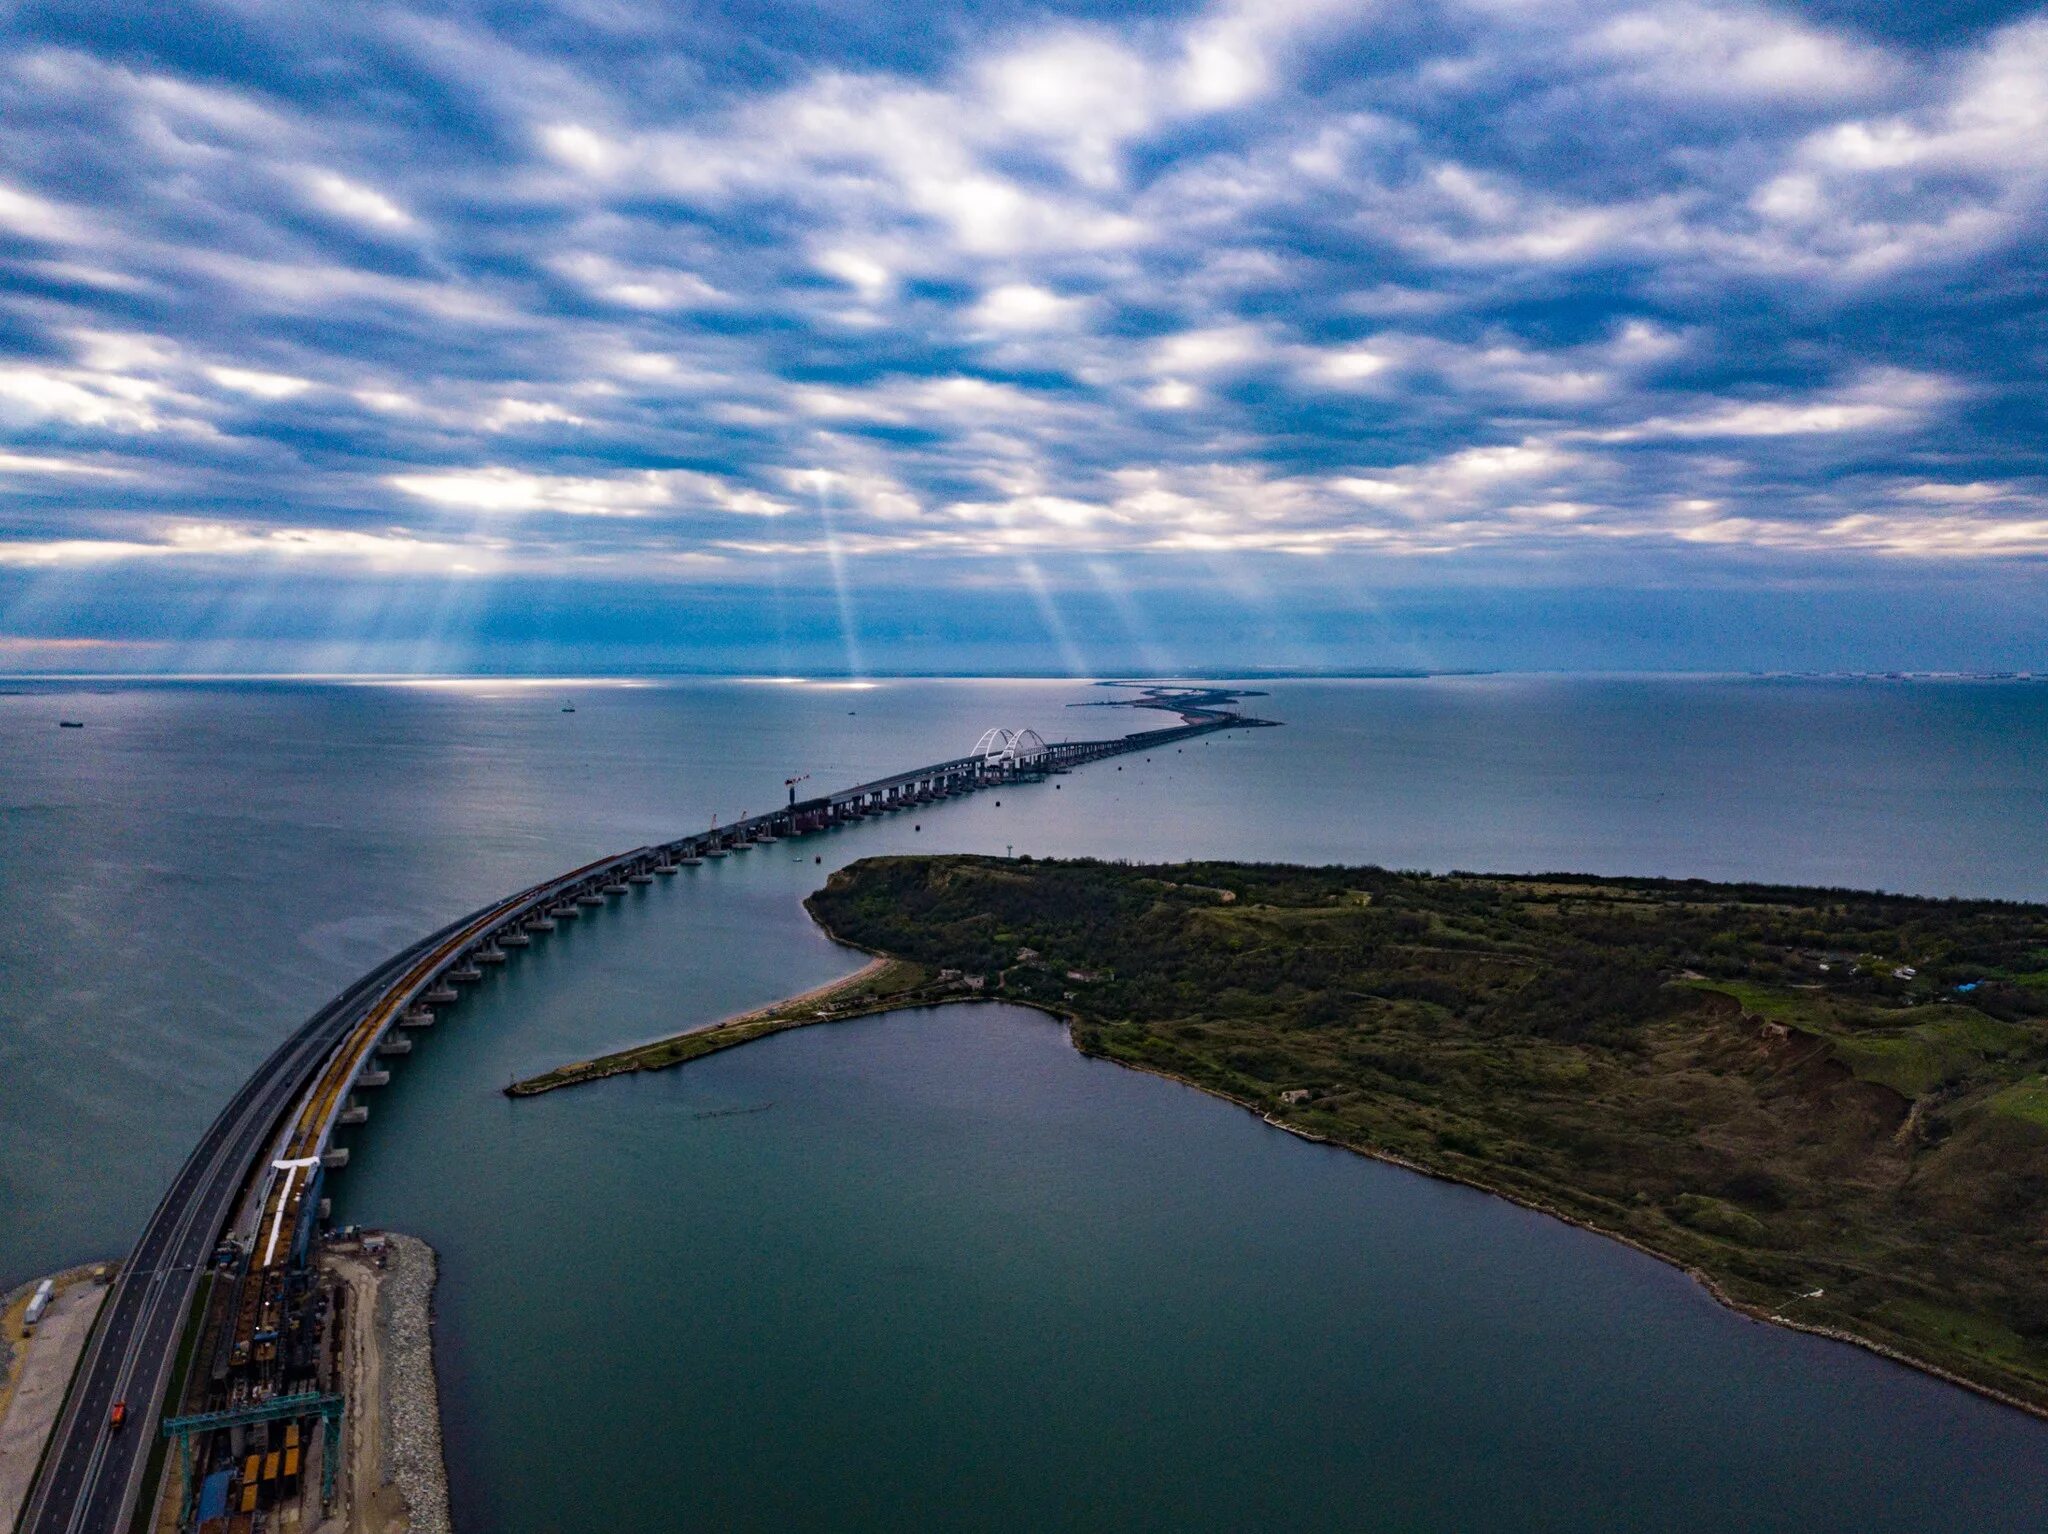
(935, 1269)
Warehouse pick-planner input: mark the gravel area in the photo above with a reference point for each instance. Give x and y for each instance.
(412, 1404)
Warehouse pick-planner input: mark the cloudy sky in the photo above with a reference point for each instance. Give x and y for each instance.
(1074, 338)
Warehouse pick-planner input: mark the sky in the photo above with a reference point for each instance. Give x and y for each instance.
(1071, 339)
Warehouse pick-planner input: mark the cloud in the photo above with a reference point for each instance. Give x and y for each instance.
(262, 385)
(386, 551)
(498, 489)
(354, 201)
(1880, 399)
(1688, 51)
(636, 287)
(1015, 306)
(624, 297)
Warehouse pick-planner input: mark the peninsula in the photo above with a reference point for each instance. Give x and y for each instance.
(1831, 1106)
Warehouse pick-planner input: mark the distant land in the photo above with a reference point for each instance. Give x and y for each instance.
(1110, 677)
(1831, 1106)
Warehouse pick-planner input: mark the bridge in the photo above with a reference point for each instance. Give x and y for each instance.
(221, 1275)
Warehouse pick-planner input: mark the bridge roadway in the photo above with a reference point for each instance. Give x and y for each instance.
(93, 1475)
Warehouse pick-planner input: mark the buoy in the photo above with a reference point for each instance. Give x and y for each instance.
(817, 860)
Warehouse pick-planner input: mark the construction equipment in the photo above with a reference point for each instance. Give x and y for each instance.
(791, 783)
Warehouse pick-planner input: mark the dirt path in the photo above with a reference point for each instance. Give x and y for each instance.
(741, 1027)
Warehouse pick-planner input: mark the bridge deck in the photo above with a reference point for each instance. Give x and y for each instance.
(93, 1475)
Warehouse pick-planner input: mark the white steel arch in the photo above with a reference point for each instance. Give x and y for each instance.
(1003, 748)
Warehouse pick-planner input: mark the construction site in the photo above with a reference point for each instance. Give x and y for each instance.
(329, 1426)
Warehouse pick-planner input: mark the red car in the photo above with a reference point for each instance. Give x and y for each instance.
(118, 1415)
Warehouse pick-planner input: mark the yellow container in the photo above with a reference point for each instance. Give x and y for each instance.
(270, 1465)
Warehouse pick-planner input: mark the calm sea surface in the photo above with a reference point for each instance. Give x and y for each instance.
(941, 1271)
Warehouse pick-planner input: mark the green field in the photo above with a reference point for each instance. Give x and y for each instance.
(1741, 1078)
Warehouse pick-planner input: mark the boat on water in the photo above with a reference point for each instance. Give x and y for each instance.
(70, 724)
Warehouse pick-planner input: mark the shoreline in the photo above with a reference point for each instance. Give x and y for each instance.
(1707, 1281)
(393, 1477)
(1713, 1287)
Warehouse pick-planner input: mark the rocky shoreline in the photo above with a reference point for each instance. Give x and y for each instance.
(412, 1403)
(392, 1476)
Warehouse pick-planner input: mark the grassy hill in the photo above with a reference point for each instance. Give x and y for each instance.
(1787, 1090)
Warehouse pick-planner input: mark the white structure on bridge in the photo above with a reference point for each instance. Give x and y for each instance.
(1011, 748)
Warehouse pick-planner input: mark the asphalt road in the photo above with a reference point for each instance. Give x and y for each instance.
(92, 1472)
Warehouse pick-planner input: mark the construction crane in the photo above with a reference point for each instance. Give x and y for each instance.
(791, 783)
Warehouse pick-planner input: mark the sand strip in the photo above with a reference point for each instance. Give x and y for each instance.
(393, 1479)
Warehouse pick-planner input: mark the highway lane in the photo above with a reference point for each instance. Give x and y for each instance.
(92, 1471)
